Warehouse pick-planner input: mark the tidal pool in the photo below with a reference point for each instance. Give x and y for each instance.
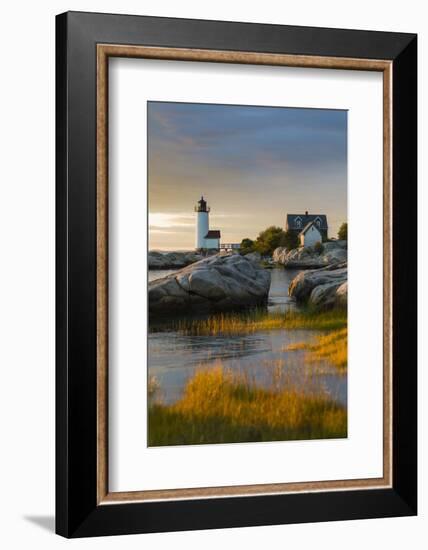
(174, 357)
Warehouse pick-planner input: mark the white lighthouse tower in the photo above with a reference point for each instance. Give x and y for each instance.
(205, 239)
(202, 223)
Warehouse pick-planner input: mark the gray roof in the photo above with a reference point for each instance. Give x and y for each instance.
(213, 234)
(305, 219)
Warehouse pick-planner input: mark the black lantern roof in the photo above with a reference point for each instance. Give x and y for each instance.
(202, 206)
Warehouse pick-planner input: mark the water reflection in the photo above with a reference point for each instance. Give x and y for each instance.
(278, 293)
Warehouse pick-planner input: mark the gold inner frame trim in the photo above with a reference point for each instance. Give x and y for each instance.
(104, 51)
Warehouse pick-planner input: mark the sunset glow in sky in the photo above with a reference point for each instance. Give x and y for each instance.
(252, 164)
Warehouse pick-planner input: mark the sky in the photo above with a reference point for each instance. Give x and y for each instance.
(253, 165)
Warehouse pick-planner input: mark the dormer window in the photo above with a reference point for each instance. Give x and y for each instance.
(318, 222)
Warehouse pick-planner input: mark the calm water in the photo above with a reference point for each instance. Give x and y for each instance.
(173, 357)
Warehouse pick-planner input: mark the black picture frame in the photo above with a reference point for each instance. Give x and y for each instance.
(77, 511)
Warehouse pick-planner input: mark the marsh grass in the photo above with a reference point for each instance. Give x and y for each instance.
(221, 406)
(259, 319)
(331, 347)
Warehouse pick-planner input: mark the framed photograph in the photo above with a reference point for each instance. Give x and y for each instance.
(236, 274)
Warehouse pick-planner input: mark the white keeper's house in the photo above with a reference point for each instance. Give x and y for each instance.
(309, 235)
(309, 228)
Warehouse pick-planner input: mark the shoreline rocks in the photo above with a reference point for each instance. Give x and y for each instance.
(333, 252)
(217, 283)
(323, 288)
(254, 257)
(171, 260)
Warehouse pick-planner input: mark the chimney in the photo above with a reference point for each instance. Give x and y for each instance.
(306, 213)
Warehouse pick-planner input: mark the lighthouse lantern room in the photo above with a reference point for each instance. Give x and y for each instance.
(205, 239)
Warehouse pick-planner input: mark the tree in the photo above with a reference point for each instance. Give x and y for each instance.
(289, 240)
(247, 246)
(343, 232)
(268, 240)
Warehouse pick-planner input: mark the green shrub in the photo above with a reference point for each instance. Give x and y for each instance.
(247, 246)
(289, 240)
(268, 240)
(343, 232)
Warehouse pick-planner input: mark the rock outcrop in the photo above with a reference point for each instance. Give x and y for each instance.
(171, 260)
(254, 257)
(333, 252)
(217, 283)
(322, 288)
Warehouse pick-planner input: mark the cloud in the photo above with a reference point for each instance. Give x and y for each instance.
(254, 164)
(165, 220)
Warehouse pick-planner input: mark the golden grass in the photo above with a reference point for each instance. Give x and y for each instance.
(219, 406)
(296, 346)
(331, 347)
(258, 319)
